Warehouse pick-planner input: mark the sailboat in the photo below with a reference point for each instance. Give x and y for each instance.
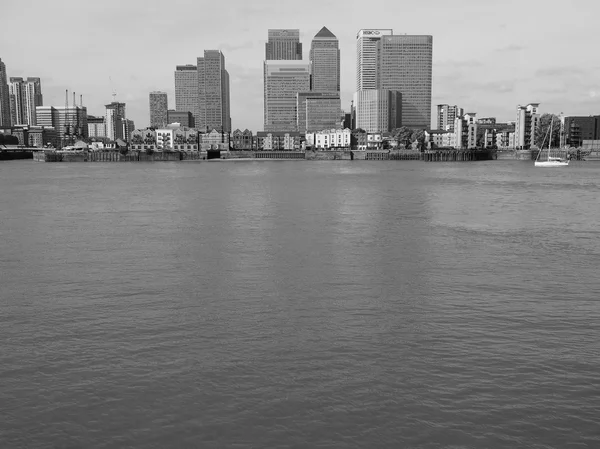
(550, 161)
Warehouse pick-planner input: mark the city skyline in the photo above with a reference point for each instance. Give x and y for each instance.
(486, 66)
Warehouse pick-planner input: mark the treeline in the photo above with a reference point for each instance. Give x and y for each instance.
(6, 139)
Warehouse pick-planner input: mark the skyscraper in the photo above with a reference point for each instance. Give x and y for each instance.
(325, 62)
(283, 81)
(378, 110)
(317, 111)
(25, 96)
(366, 57)
(404, 64)
(158, 109)
(115, 117)
(4, 97)
(213, 92)
(283, 45)
(186, 89)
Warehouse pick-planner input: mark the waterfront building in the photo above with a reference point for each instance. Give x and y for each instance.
(214, 140)
(158, 109)
(242, 140)
(25, 96)
(525, 126)
(330, 139)
(213, 93)
(318, 110)
(283, 80)
(576, 129)
(114, 120)
(446, 114)
(437, 138)
(184, 118)
(283, 45)
(186, 89)
(366, 57)
(404, 63)
(5, 120)
(96, 126)
(378, 110)
(325, 62)
(165, 138)
(275, 141)
(465, 130)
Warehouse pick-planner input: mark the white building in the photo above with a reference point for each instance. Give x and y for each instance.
(526, 125)
(165, 138)
(329, 138)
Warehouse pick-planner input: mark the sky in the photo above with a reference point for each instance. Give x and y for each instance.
(488, 56)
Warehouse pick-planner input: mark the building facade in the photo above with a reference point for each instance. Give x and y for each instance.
(378, 110)
(283, 80)
(186, 89)
(446, 114)
(404, 63)
(577, 129)
(273, 141)
(283, 45)
(525, 126)
(96, 126)
(114, 119)
(366, 57)
(70, 122)
(242, 140)
(5, 120)
(330, 139)
(158, 109)
(317, 111)
(465, 130)
(325, 62)
(213, 92)
(184, 118)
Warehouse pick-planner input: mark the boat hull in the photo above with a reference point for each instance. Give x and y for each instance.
(551, 163)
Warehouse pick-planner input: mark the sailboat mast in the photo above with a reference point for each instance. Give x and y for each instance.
(550, 137)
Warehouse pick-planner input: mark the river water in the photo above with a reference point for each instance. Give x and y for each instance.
(299, 305)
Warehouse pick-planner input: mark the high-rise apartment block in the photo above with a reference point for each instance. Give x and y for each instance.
(283, 81)
(25, 96)
(96, 126)
(4, 97)
(401, 63)
(577, 129)
(325, 62)
(283, 45)
(158, 109)
(114, 120)
(186, 89)
(446, 115)
(525, 126)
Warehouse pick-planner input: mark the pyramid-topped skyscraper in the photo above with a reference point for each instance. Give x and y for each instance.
(325, 62)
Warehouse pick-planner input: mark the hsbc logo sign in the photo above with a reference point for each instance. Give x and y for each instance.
(371, 33)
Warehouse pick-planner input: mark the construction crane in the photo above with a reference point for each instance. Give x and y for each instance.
(67, 118)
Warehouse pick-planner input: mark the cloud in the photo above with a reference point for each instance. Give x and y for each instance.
(457, 63)
(234, 47)
(560, 71)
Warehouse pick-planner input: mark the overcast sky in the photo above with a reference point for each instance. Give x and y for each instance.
(488, 56)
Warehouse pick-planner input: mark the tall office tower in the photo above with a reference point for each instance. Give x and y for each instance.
(283, 44)
(69, 122)
(404, 63)
(158, 109)
(446, 115)
(25, 97)
(114, 118)
(378, 110)
(186, 89)
(4, 97)
(525, 125)
(366, 57)
(213, 93)
(283, 81)
(317, 111)
(325, 62)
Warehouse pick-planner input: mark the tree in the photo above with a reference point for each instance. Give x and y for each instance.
(418, 139)
(403, 135)
(541, 132)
